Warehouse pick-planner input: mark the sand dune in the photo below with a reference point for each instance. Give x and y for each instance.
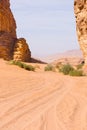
(41, 100)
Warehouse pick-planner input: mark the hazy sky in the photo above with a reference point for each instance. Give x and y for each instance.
(47, 25)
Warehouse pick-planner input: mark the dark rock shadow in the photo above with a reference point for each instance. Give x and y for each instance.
(33, 60)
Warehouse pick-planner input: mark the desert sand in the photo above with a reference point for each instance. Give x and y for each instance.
(41, 100)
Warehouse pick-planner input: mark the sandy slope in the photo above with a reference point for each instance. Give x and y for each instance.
(41, 100)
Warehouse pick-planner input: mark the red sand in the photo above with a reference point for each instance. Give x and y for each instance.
(41, 100)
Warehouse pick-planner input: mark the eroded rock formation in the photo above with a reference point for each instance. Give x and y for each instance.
(80, 9)
(21, 50)
(10, 46)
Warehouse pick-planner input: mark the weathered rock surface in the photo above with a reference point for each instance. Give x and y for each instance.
(6, 45)
(10, 46)
(80, 9)
(7, 21)
(21, 50)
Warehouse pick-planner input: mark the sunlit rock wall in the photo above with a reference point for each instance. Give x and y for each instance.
(8, 37)
(80, 9)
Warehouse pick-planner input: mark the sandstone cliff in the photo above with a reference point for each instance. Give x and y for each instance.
(21, 51)
(80, 9)
(7, 21)
(9, 44)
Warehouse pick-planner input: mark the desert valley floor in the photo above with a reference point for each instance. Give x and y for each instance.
(41, 100)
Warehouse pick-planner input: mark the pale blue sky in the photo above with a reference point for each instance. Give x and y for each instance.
(48, 25)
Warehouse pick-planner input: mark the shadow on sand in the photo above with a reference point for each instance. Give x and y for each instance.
(33, 60)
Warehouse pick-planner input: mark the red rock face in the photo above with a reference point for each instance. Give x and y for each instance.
(8, 37)
(7, 21)
(80, 9)
(21, 50)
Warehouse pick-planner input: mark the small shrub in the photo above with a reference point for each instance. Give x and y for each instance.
(23, 65)
(31, 68)
(79, 66)
(18, 63)
(76, 73)
(49, 67)
(28, 67)
(58, 65)
(65, 69)
(12, 62)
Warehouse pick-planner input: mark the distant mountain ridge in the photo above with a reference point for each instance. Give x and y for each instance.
(67, 54)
